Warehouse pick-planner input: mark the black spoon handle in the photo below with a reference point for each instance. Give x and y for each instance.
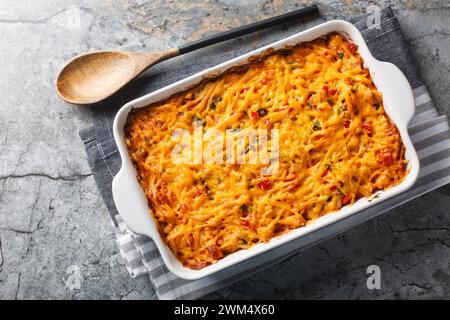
(240, 31)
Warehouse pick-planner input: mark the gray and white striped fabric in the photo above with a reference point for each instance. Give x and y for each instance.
(429, 131)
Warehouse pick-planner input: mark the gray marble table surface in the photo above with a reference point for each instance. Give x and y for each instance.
(53, 221)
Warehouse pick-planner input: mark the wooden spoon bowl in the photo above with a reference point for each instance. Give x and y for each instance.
(92, 77)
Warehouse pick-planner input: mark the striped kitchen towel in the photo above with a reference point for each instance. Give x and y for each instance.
(430, 134)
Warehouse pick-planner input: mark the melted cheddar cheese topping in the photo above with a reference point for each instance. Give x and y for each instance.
(336, 145)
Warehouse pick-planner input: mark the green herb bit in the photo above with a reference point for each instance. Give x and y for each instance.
(197, 119)
(341, 109)
(316, 125)
(215, 102)
(244, 208)
(262, 112)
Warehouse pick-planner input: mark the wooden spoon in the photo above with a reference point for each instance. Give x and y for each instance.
(92, 77)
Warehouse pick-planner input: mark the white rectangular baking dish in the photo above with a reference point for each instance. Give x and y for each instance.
(132, 204)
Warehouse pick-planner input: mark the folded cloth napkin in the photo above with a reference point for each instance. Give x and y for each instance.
(429, 131)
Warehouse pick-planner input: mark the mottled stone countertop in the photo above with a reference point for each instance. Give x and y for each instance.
(52, 216)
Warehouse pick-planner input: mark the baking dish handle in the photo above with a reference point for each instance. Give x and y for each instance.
(400, 92)
(129, 199)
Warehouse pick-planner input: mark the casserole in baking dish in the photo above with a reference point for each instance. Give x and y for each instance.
(334, 145)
